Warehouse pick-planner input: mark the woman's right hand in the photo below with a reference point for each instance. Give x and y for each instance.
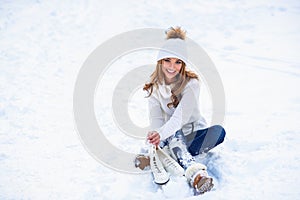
(154, 138)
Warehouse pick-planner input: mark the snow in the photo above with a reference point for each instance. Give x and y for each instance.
(254, 45)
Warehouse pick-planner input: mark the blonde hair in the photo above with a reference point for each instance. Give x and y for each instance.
(157, 77)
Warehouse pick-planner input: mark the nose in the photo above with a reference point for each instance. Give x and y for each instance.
(173, 65)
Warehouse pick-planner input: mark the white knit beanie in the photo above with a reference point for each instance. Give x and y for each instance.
(173, 48)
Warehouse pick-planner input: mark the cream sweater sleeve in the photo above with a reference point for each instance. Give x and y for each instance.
(156, 113)
(181, 115)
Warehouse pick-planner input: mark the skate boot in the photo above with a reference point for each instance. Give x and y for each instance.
(169, 163)
(159, 173)
(198, 178)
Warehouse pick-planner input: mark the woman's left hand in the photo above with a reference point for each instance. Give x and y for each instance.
(154, 138)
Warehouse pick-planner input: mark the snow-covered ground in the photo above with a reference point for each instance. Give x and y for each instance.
(43, 44)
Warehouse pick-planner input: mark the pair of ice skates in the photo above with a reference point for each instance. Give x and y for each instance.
(163, 165)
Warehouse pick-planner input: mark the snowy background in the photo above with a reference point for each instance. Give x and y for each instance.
(254, 45)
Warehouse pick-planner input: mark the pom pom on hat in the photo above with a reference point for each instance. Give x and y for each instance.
(176, 32)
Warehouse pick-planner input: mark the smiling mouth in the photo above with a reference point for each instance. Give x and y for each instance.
(171, 71)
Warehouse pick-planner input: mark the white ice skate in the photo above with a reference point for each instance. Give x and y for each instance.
(198, 178)
(169, 163)
(142, 161)
(159, 173)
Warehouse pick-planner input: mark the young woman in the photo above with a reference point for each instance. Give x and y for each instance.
(175, 119)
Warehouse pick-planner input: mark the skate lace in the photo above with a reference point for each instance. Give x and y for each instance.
(156, 166)
(170, 163)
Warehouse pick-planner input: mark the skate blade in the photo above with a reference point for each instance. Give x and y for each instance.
(161, 183)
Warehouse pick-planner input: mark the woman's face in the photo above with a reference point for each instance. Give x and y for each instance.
(171, 67)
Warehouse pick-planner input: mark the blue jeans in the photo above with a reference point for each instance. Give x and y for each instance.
(201, 141)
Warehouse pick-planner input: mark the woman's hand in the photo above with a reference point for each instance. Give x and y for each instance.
(154, 138)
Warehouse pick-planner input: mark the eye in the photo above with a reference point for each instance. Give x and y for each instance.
(178, 62)
(167, 60)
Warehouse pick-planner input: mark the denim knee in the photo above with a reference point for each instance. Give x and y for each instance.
(221, 131)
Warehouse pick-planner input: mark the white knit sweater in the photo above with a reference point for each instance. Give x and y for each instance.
(166, 121)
